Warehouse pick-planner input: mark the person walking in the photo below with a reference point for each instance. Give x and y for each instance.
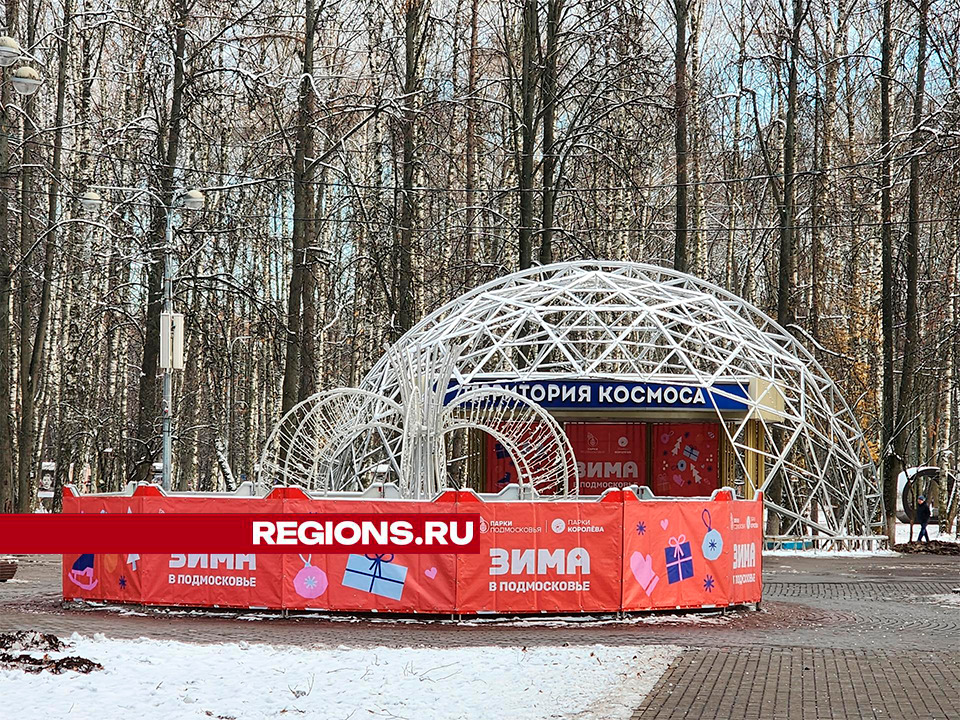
(922, 518)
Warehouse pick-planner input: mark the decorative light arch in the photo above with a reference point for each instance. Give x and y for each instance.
(345, 439)
(334, 440)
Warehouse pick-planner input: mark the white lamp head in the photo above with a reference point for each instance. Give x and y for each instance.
(193, 199)
(91, 200)
(26, 80)
(10, 51)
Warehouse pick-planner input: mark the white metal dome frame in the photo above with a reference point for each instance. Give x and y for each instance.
(642, 323)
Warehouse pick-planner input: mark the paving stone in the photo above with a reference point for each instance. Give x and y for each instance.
(806, 684)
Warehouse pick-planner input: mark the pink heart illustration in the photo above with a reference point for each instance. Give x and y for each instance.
(431, 573)
(664, 523)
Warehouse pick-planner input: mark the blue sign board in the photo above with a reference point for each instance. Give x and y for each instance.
(618, 394)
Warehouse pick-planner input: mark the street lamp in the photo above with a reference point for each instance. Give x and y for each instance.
(10, 51)
(172, 329)
(91, 201)
(171, 324)
(26, 80)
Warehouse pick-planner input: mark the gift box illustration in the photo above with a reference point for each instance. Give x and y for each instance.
(376, 574)
(679, 559)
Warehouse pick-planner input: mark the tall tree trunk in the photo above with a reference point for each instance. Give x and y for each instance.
(788, 209)
(53, 211)
(409, 215)
(787, 228)
(302, 220)
(471, 148)
(816, 209)
(549, 90)
(8, 186)
(527, 103)
(696, 253)
(309, 342)
(28, 204)
(891, 463)
(736, 190)
(906, 400)
(680, 134)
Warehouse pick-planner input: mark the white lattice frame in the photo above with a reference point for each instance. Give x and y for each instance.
(633, 322)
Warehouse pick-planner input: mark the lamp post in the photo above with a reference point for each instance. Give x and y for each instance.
(25, 80)
(171, 324)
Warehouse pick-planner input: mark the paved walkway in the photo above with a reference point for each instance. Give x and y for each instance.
(807, 684)
(835, 638)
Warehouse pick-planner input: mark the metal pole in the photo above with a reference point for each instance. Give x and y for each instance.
(168, 371)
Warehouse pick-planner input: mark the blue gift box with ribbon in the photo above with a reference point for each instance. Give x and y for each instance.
(679, 559)
(376, 574)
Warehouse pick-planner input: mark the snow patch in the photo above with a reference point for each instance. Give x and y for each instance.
(949, 599)
(155, 680)
(830, 553)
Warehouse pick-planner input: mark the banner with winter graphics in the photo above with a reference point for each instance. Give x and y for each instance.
(746, 539)
(225, 580)
(107, 576)
(384, 582)
(683, 554)
(685, 459)
(609, 455)
(562, 556)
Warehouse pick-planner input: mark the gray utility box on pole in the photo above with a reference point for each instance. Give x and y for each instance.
(171, 341)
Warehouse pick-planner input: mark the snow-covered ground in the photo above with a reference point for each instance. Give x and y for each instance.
(693, 617)
(903, 533)
(903, 536)
(950, 599)
(151, 679)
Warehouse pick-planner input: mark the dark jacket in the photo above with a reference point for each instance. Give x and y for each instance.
(923, 513)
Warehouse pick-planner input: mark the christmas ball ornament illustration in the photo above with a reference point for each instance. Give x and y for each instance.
(712, 541)
(311, 581)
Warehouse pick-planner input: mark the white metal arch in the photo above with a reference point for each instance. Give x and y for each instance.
(333, 440)
(540, 450)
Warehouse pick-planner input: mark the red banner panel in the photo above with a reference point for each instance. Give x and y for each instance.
(685, 459)
(609, 455)
(677, 554)
(536, 557)
(385, 582)
(746, 581)
(557, 556)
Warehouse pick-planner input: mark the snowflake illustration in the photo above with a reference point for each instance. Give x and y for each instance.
(310, 582)
(123, 582)
(713, 544)
(708, 583)
(641, 528)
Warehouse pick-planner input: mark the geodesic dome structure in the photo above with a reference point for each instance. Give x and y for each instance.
(627, 321)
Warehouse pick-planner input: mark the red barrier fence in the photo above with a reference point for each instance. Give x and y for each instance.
(610, 553)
